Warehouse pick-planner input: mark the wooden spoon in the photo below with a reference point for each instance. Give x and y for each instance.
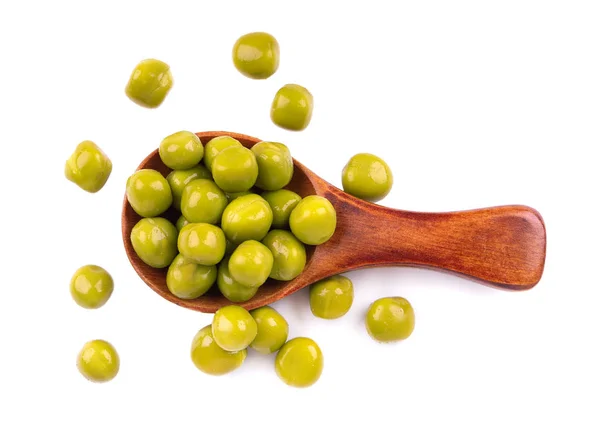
(503, 247)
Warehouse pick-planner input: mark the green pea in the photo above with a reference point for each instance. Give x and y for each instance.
(272, 330)
(289, 255)
(154, 241)
(248, 217)
(189, 280)
(209, 358)
(292, 107)
(149, 193)
(149, 84)
(275, 165)
(88, 167)
(203, 201)
(98, 361)
(282, 202)
(251, 263)
(235, 169)
(299, 362)
(230, 288)
(234, 195)
(367, 177)
(233, 328)
(202, 243)
(180, 178)
(91, 286)
(256, 55)
(331, 297)
(313, 220)
(181, 222)
(181, 150)
(390, 319)
(215, 146)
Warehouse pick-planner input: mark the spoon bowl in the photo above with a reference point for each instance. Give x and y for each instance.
(502, 247)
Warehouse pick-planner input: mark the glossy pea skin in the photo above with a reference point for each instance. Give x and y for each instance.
(154, 241)
(88, 167)
(214, 146)
(289, 255)
(178, 179)
(292, 107)
(272, 332)
(230, 288)
(282, 202)
(331, 297)
(181, 222)
(203, 201)
(209, 358)
(368, 177)
(233, 328)
(181, 150)
(149, 193)
(390, 319)
(299, 362)
(256, 55)
(202, 243)
(235, 169)
(247, 218)
(189, 280)
(98, 361)
(251, 263)
(91, 286)
(149, 83)
(313, 220)
(275, 165)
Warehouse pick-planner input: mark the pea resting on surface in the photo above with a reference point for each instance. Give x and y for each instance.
(367, 177)
(203, 201)
(272, 330)
(230, 288)
(275, 165)
(98, 361)
(149, 83)
(332, 297)
(154, 241)
(91, 286)
(282, 202)
(235, 169)
(189, 280)
(88, 167)
(215, 146)
(181, 150)
(390, 319)
(233, 328)
(202, 243)
(251, 263)
(180, 178)
(256, 55)
(248, 217)
(292, 107)
(148, 193)
(289, 255)
(299, 362)
(209, 358)
(313, 220)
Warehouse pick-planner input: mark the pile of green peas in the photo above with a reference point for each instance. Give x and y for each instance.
(238, 227)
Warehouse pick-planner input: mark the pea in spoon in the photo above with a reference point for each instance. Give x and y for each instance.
(503, 247)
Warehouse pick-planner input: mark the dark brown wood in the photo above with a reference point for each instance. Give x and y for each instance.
(502, 247)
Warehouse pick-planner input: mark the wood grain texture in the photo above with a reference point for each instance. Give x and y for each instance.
(502, 247)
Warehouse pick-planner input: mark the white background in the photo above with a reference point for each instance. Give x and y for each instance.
(472, 103)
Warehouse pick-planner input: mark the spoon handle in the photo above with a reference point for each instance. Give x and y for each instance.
(500, 246)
